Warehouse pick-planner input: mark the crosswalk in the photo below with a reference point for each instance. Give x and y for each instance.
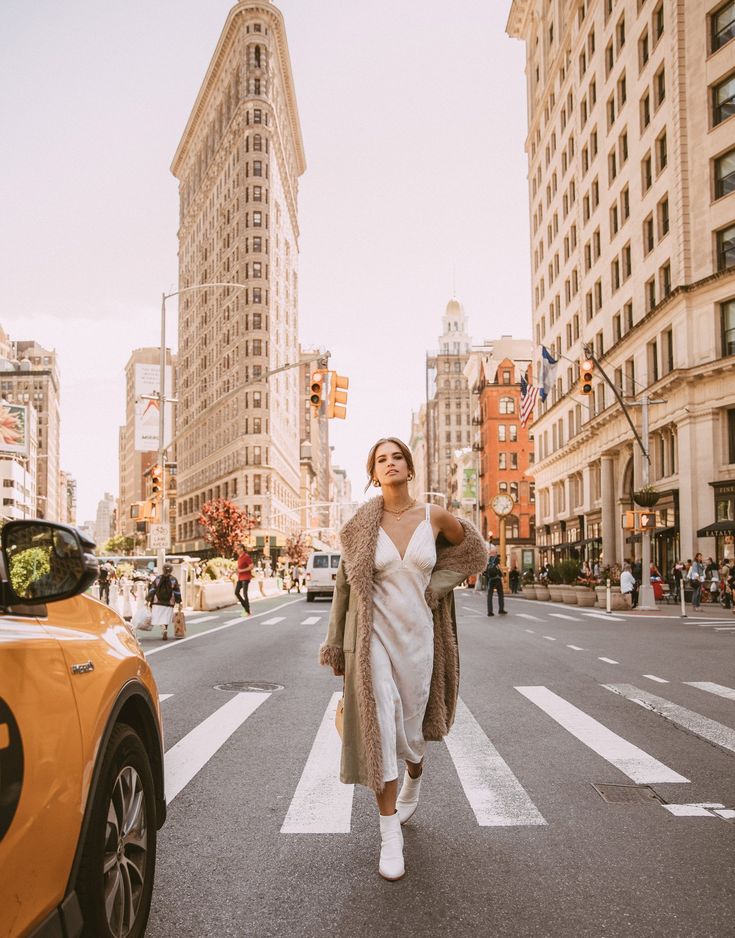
(321, 804)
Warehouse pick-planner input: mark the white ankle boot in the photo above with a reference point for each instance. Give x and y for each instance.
(408, 799)
(391, 848)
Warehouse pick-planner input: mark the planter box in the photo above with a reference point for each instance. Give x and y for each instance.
(617, 603)
(556, 593)
(542, 592)
(585, 596)
(570, 595)
(529, 592)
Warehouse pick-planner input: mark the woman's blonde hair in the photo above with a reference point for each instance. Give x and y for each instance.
(407, 455)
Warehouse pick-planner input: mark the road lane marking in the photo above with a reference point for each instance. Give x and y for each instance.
(227, 625)
(312, 620)
(575, 647)
(561, 615)
(603, 615)
(687, 810)
(727, 692)
(321, 803)
(658, 680)
(189, 756)
(550, 638)
(199, 619)
(162, 697)
(527, 615)
(240, 618)
(608, 660)
(709, 730)
(274, 621)
(632, 761)
(725, 628)
(495, 795)
(531, 631)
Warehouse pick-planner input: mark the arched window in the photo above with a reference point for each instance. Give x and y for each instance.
(257, 57)
(514, 491)
(507, 405)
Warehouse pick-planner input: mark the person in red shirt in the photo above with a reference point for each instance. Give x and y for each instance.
(244, 576)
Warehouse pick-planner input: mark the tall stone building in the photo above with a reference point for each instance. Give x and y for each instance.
(238, 165)
(447, 399)
(31, 376)
(134, 464)
(104, 525)
(631, 170)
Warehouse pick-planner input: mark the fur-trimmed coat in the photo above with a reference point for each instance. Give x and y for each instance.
(347, 645)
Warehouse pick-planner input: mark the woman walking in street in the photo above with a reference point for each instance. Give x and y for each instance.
(163, 594)
(392, 634)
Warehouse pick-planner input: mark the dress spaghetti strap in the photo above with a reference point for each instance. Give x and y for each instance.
(428, 511)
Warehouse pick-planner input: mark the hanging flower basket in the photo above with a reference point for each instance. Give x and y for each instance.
(646, 497)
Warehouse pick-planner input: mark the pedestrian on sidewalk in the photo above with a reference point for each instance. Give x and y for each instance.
(628, 587)
(392, 634)
(104, 578)
(696, 576)
(163, 595)
(514, 579)
(494, 576)
(244, 576)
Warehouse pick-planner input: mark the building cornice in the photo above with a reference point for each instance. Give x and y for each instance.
(519, 11)
(224, 45)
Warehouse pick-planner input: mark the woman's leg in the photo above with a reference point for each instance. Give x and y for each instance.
(415, 769)
(387, 798)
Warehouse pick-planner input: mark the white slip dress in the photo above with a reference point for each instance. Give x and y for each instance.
(402, 644)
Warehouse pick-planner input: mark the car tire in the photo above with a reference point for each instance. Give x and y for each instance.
(310, 597)
(115, 882)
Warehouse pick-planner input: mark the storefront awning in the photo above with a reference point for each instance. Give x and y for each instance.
(717, 527)
(666, 532)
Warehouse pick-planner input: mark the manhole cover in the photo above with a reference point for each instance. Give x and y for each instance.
(627, 794)
(242, 686)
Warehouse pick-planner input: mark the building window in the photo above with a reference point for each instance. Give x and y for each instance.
(513, 433)
(659, 84)
(662, 152)
(501, 432)
(658, 22)
(650, 294)
(514, 460)
(726, 248)
(731, 436)
(665, 277)
(647, 172)
(727, 314)
(667, 351)
(644, 50)
(502, 461)
(723, 100)
(257, 219)
(653, 375)
(506, 377)
(722, 23)
(663, 218)
(645, 111)
(725, 173)
(507, 405)
(648, 235)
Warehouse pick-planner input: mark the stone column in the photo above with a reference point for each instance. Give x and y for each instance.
(609, 521)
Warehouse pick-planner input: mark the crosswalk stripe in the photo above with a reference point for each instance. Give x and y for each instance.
(531, 631)
(575, 647)
(162, 697)
(561, 615)
(236, 619)
(321, 803)
(274, 621)
(200, 619)
(608, 660)
(494, 793)
(658, 680)
(184, 760)
(632, 761)
(712, 688)
(527, 615)
(312, 620)
(550, 638)
(603, 615)
(701, 726)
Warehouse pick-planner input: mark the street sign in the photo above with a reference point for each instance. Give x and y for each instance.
(160, 537)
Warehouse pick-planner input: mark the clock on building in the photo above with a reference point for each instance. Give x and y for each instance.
(502, 505)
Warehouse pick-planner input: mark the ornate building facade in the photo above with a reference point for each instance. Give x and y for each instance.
(631, 170)
(238, 165)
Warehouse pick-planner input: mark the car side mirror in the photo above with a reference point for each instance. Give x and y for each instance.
(45, 562)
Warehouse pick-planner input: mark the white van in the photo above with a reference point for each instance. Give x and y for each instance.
(321, 572)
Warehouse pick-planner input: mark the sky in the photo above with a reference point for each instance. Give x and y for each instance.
(413, 117)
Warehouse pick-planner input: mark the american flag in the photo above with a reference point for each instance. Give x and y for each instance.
(529, 396)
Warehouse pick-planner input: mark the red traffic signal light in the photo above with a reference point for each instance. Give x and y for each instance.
(586, 373)
(647, 520)
(338, 385)
(316, 391)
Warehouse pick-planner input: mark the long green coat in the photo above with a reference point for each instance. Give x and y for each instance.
(347, 645)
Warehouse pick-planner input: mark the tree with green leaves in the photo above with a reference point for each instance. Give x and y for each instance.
(119, 544)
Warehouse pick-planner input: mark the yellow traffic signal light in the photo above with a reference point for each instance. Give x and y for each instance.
(338, 385)
(156, 480)
(316, 391)
(629, 520)
(646, 520)
(586, 373)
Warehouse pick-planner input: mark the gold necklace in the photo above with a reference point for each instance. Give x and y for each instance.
(401, 511)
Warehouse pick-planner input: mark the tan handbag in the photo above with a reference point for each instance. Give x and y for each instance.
(339, 718)
(179, 622)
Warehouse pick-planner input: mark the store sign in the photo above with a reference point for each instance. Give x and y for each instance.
(147, 381)
(14, 429)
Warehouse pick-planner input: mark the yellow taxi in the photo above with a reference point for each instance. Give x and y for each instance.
(81, 748)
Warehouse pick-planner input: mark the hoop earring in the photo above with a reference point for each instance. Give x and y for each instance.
(376, 483)
(410, 477)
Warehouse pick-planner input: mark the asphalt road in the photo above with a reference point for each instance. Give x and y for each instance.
(510, 838)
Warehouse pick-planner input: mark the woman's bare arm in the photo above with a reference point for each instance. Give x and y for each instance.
(448, 525)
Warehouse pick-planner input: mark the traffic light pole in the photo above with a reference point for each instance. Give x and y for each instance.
(646, 598)
(161, 427)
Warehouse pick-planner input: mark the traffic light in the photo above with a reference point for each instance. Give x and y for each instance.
(629, 520)
(156, 480)
(646, 520)
(586, 373)
(338, 385)
(316, 391)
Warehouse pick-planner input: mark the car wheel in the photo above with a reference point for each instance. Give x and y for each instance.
(119, 856)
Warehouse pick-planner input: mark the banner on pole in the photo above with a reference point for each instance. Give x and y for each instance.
(147, 380)
(469, 486)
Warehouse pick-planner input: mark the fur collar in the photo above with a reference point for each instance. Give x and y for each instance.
(359, 537)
